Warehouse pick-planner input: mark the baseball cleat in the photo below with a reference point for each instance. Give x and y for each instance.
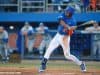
(83, 67)
(43, 65)
(42, 68)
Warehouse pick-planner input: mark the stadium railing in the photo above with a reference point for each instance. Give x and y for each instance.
(37, 6)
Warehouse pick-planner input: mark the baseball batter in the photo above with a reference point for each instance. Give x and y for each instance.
(3, 43)
(27, 30)
(65, 29)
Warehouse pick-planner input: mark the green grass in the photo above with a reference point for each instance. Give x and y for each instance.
(51, 64)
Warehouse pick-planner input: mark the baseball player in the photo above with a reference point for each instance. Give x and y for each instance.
(65, 29)
(27, 30)
(3, 43)
(95, 39)
(43, 31)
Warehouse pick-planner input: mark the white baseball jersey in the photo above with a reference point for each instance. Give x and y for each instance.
(41, 29)
(4, 34)
(25, 29)
(94, 30)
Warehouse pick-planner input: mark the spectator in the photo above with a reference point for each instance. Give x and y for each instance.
(96, 39)
(56, 7)
(4, 8)
(98, 4)
(86, 4)
(3, 44)
(93, 5)
(28, 31)
(77, 5)
(65, 2)
(43, 31)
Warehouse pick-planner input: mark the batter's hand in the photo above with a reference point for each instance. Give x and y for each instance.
(71, 30)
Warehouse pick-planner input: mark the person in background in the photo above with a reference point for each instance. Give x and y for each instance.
(86, 4)
(97, 4)
(3, 44)
(95, 29)
(28, 31)
(77, 5)
(56, 7)
(65, 2)
(43, 31)
(93, 5)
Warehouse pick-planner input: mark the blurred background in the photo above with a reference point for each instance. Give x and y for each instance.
(15, 13)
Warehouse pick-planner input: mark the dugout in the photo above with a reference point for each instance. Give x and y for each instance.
(50, 19)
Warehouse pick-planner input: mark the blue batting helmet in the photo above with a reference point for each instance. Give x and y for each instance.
(70, 9)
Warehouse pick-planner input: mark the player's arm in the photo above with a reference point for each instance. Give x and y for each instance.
(74, 25)
(64, 24)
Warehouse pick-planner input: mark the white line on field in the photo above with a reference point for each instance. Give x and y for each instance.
(10, 73)
(69, 73)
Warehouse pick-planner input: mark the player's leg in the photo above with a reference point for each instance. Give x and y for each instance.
(53, 44)
(41, 48)
(3, 54)
(6, 52)
(94, 49)
(30, 45)
(65, 43)
(99, 49)
(0, 53)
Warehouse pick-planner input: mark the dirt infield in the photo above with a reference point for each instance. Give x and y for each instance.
(34, 71)
(27, 67)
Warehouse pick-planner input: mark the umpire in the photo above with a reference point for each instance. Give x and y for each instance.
(3, 44)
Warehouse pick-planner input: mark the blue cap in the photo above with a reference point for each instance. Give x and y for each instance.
(70, 9)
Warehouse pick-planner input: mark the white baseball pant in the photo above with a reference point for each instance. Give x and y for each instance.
(64, 41)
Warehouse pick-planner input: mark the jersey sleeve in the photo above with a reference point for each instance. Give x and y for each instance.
(60, 18)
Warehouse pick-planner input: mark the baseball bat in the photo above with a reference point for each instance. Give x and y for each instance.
(86, 23)
(70, 32)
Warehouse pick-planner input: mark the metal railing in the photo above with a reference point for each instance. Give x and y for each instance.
(36, 6)
(32, 6)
